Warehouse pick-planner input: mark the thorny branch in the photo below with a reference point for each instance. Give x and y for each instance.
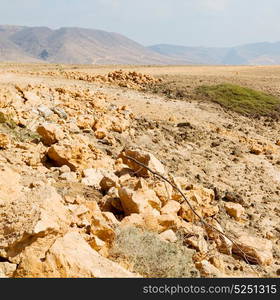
(213, 228)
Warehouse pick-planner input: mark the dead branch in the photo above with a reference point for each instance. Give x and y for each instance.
(247, 258)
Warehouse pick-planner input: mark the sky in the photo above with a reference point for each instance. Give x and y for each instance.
(213, 23)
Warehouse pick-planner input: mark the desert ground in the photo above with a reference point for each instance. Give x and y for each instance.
(73, 205)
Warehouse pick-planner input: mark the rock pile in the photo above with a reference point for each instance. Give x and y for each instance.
(134, 80)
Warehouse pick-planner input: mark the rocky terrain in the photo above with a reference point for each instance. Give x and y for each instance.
(74, 204)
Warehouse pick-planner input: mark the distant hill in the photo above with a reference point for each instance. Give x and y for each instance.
(73, 46)
(191, 55)
(89, 46)
(250, 54)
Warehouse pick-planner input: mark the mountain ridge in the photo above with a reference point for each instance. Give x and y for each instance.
(73, 45)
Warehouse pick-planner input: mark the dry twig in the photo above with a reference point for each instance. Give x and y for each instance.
(246, 257)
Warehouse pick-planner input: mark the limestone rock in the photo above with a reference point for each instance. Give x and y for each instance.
(26, 215)
(138, 201)
(234, 210)
(64, 169)
(44, 110)
(109, 181)
(60, 112)
(134, 220)
(100, 134)
(50, 133)
(92, 177)
(169, 222)
(145, 158)
(102, 225)
(201, 200)
(115, 123)
(74, 155)
(208, 270)
(255, 150)
(256, 250)
(70, 256)
(111, 219)
(168, 236)
(33, 99)
(99, 178)
(96, 243)
(163, 191)
(4, 141)
(198, 242)
(224, 245)
(7, 269)
(171, 207)
(69, 176)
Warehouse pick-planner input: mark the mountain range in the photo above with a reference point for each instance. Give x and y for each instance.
(89, 46)
(249, 54)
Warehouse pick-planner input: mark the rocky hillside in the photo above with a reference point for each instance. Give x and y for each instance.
(75, 202)
(72, 46)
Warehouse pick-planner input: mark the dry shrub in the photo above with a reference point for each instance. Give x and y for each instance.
(145, 253)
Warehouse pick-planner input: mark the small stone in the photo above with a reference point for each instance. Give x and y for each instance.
(4, 141)
(235, 210)
(133, 220)
(169, 221)
(64, 169)
(73, 128)
(171, 207)
(100, 134)
(168, 236)
(45, 111)
(208, 270)
(7, 269)
(96, 243)
(81, 210)
(255, 150)
(92, 177)
(109, 181)
(60, 112)
(69, 176)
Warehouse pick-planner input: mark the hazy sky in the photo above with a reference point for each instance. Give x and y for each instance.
(181, 22)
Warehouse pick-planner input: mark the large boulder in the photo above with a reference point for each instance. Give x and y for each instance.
(74, 155)
(253, 249)
(138, 201)
(71, 256)
(27, 216)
